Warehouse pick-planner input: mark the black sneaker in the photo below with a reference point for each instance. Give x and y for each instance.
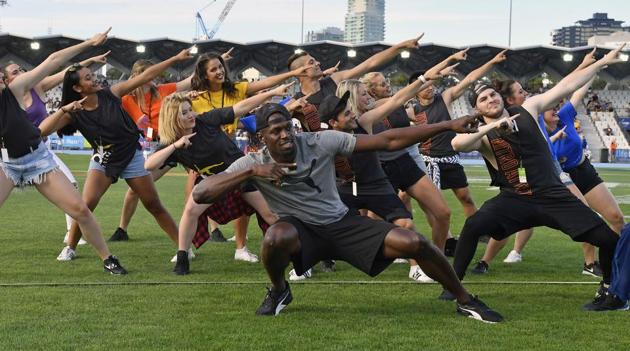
(119, 235)
(275, 302)
(327, 266)
(608, 302)
(112, 266)
(182, 267)
(449, 248)
(593, 269)
(446, 296)
(480, 268)
(478, 310)
(217, 237)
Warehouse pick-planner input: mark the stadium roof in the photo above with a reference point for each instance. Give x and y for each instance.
(270, 56)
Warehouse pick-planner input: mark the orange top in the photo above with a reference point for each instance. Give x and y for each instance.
(152, 105)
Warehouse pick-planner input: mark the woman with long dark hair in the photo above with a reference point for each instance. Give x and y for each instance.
(115, 140)
(212, 77)
(36, 111)
(27, 161)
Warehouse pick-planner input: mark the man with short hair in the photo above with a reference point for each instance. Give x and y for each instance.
(521, 165)
(296, 175)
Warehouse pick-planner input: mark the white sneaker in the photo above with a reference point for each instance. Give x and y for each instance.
(67, 254)
(233, 238)
(513, 257)
(401, 260)
(244, 255)
(81, 241)
(293, 276)
(416, 274)
(191, 256)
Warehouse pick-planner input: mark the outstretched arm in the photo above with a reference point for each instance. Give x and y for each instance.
(473, 141)
(25, 82)
(376, 60)
(57, 78)
(569, 84)
(453, 93)
(243, 107)
(124, 88)
(60, 118)
(158, 158)
(267, 83)
(379, 113)
(399, 138)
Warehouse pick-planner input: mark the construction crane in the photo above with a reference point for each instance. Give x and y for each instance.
(4, 3)
(205, 34)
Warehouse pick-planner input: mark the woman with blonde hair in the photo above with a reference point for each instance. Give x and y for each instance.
(198, 143)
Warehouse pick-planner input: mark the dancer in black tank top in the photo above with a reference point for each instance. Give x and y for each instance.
(520, 163)
(442, 161)
(23, 151)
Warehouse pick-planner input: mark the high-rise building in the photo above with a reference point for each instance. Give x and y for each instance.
(579, 34)
(328, 33)
(365, 21)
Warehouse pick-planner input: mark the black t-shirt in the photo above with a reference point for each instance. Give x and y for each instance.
(17, 134)
(525, 148)
(211, 151)
(368, 174)
(327, 87)
(397, 119)
(109, 126)
(437, 111)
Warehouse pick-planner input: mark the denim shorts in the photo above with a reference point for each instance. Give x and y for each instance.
(134, 169)
(31, 168)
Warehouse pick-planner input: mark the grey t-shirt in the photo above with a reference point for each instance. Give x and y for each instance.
(308, 193)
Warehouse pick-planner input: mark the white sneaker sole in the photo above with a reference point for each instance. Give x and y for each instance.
(474, 315)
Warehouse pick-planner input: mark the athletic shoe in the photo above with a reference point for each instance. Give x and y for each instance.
(449, 248)
(478, 310)
(416, 274)
(275, 302)
(446, 296)
(233, 238)
(327, 266)
(191, 256)
(244, 255)
(81, 241)
(513, 257)
(294, 277)
(112, 266)
(480, 268)
(182, 267)
(606, 302)
(67, 254)
(217, 237)
(401, 260)
(119, 235)
(593, 269)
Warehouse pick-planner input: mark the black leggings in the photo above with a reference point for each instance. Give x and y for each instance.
(600, 236)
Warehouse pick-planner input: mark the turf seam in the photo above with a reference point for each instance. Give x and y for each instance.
(334, 282)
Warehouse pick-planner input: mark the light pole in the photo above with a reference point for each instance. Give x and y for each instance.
(510, 27)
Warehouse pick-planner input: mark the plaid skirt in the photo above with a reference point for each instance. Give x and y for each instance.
(228, 208)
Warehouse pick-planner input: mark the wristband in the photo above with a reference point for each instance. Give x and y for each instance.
(422, 79)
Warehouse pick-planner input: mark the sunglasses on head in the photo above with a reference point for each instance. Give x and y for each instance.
(75, 67)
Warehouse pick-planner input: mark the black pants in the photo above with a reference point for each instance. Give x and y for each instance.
(506, 214)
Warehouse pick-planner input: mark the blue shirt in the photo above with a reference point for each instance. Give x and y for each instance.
(569, 150)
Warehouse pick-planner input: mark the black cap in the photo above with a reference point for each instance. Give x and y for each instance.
(331, 106)
(474, 94)
(266, 111)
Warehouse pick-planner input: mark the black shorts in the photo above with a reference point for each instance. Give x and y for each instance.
(355, 239)
(452, 176)
(585, 176)
(403, 172)
(389, 207)
(507, 213)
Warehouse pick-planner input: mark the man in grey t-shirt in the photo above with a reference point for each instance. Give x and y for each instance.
(296, 175)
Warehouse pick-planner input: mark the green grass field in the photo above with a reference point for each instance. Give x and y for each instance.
(45, 304)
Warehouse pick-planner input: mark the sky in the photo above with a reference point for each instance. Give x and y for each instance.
(448, 22)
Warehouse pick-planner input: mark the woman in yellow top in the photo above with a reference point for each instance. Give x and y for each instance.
(212, 77)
